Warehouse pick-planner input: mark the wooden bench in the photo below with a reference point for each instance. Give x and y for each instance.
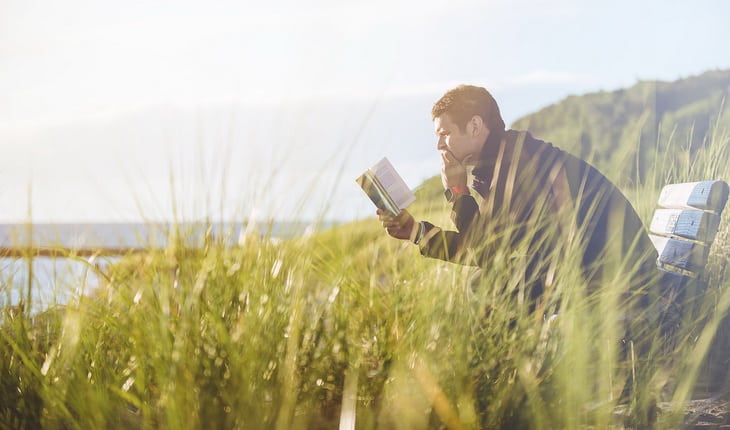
(684, 227)
(682, 230)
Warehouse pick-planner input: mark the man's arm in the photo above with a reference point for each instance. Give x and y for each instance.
(451, 245)
(432, 240)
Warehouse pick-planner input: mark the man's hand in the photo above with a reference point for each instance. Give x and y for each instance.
(453, 173)
(403, 226)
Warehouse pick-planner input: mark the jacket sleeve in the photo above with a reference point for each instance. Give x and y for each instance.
(452, 245)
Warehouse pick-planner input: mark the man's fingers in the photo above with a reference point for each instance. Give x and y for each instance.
(384, 218)
(388, 224)
(448, 157)
(402, 216)
(453, 172)
(396, 223)
(387, 220)
(450, 163)
(392, 223)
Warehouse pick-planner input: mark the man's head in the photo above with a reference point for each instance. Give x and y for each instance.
(463, 119)
(465, 101)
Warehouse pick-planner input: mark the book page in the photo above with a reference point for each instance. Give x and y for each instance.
(377, 194)
(396, 187)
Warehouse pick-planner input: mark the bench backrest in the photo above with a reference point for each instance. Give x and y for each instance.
(685, 224)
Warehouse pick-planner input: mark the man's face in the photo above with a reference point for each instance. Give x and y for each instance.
(464, 145)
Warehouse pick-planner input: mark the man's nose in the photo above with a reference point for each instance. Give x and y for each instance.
(440, 144)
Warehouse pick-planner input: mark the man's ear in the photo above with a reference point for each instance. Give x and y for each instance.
(476, 124)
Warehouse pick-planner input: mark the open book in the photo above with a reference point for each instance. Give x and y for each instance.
(386, 188)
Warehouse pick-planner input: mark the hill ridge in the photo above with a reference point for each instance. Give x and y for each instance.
(609, 128)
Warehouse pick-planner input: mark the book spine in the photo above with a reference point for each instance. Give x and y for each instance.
(392, 207)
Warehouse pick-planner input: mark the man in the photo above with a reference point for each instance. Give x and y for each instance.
(533, 197)
(531, 210)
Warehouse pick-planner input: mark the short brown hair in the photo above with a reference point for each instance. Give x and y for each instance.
(465, 101)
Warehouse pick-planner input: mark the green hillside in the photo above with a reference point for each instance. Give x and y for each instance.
(634, 127)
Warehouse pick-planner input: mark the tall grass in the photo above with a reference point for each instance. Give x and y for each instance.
(281, 334)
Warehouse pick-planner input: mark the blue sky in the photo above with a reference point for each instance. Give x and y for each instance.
(126, 110)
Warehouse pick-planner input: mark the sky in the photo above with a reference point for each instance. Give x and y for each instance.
(153, 110)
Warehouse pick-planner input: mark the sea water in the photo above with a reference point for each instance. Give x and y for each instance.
(49, 279)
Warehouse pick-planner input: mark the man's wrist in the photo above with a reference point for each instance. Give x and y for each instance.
(455, 191)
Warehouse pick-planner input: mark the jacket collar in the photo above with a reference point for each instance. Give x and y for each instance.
(490, 149)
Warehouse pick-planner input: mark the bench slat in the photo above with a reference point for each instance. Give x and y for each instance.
(673, 281)
(688, 223)
(685, 255)
(705, 195)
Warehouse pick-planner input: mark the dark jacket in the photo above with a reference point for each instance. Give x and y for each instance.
(534, 198)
